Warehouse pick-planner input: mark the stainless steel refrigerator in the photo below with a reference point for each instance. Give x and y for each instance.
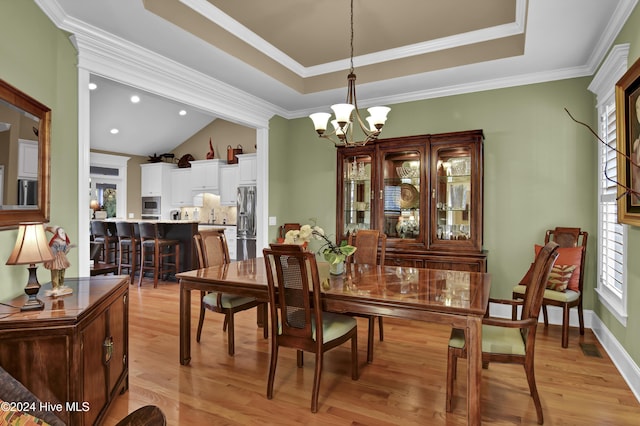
(246, 223)
(27, 192)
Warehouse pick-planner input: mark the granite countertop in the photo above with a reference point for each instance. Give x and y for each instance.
(185, 221)
(216, 224)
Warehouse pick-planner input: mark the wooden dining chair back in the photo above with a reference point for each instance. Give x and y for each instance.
(572, 252)
(368, 242)
(282, 230)
(157, 254)
(128, 248)
(297, 319)
(212, 250)
(508, 340)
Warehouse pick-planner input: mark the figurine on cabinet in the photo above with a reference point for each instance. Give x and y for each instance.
(60, 246)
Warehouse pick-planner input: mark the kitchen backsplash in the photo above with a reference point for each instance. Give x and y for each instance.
(211, 211)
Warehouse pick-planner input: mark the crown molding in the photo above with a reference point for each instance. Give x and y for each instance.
(112, 57)
(215, 15)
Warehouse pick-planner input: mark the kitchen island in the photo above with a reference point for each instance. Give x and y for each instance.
(181, 230)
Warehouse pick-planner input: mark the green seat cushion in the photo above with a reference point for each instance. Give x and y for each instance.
(228, 300)
(560, 296)
(334, 326)
(497, 340)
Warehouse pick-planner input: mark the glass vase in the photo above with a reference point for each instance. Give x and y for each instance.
(336, 268)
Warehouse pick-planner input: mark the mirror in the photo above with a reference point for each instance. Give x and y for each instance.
(25, 126)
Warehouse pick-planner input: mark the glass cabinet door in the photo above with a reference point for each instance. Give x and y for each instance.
(400, 193)
(453, 194)
(356, 192)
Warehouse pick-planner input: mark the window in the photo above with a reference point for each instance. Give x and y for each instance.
(611, 282)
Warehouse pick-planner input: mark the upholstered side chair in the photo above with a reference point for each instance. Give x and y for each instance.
(564, 293)
(508, 340)
(212, 250)
(297, 319)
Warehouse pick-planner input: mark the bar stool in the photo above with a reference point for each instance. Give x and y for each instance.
(128, 247)
(160, 250)
(100, 233)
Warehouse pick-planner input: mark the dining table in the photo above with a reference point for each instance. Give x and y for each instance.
(455, 298)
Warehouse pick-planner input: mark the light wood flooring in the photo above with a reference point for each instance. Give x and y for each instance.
(405, 385)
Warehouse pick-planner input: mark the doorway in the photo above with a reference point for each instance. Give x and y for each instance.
(108, 185)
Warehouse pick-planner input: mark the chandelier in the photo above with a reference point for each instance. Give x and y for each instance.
(345, 114)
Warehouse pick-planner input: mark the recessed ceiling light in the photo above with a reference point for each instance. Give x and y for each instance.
(135, 99)
(182, 112)
(93, 86)
(114, 131)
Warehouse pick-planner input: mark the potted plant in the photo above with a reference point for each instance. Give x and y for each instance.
(332, 253)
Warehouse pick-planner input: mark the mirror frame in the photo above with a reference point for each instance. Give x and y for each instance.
(11, 218)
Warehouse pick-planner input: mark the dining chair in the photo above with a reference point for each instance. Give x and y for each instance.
(507, 340)
(367, 242)
(212, 250)
(566, 292)
(297, 319)
(157, 253)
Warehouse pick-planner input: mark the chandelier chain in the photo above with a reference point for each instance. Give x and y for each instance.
(351, 70)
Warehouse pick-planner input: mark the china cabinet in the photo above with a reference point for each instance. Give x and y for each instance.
(424, 192)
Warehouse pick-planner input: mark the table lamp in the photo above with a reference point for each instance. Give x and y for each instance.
(31, 247)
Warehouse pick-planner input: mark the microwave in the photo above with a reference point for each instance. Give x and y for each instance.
(151, 206)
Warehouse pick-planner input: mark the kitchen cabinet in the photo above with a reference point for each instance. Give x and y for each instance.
(181, 195)
(27, 159)
(424, 192)
(155, 180)
(228, 184)
(205, 176)
(77, 347)
(248, 172)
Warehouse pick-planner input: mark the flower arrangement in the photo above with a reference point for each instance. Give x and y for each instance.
(332, 253)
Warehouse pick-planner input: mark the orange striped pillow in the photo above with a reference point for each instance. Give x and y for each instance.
(560, 276)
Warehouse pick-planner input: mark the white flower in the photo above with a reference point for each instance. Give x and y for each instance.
(292, 237)
(306, 233)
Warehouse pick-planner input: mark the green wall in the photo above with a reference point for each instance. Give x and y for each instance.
(539, 168)
(39, 59)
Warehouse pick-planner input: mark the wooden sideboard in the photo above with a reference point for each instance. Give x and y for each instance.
(75, 351)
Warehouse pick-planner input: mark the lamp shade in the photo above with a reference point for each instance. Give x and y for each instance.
(342, 112)
(31, 245)
(320, 120)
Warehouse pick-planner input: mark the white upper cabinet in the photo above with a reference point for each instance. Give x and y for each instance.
(181, 187)
(228, 184)
(27, 159)
(205, 176)
(155, 180)
(247, 169)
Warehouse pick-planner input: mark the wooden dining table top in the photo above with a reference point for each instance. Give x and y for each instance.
(457, 292)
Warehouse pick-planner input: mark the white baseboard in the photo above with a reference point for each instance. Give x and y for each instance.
(628, 369)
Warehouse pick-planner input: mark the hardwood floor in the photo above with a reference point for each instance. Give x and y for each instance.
(405, 384)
